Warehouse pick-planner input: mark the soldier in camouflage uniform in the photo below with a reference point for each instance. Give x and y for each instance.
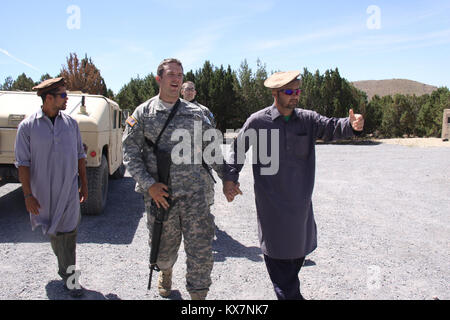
(190, 186)
(188, 92)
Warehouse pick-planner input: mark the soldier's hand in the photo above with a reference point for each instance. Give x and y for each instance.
(32, 205)
(159, 193)
(231, 190)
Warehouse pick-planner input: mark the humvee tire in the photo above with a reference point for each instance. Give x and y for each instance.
(97, 189)
(119, 173)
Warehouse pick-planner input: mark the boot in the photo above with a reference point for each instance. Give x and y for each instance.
(165, 283)
(199, 295)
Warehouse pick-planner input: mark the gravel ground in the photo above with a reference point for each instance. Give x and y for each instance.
(417, 142)
(382, 213)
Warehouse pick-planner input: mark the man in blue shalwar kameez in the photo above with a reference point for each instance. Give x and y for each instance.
(50, 158)
(284, 187)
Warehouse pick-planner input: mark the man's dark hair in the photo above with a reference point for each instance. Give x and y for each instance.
(52, 92)
(165, 62)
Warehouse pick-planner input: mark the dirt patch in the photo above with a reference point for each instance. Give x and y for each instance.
(416, 142)
(410, 142)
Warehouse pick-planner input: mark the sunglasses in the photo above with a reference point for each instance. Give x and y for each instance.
(290, 92)
(62, 95)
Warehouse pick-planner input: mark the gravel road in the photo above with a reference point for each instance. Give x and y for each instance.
(382, 214)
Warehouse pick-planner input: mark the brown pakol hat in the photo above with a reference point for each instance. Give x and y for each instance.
(280, 79)
(49, 85)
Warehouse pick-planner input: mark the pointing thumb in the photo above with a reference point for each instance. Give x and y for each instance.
(352, 114)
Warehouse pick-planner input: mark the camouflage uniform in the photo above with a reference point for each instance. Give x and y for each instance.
(206, 112)
(190, 186)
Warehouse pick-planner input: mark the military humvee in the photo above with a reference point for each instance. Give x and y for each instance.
(101, 125)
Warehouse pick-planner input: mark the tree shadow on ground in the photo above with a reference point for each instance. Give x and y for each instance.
(116, 225)
(355, 142)
(120, 219)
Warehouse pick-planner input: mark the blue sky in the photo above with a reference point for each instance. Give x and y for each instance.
(366, 40)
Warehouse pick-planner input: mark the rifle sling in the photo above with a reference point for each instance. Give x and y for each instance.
(154, 146)
(171, 116)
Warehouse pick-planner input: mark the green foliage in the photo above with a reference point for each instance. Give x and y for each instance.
(373, 115)
(137, 91)
(233, 96)
(216, 88)
(23, 83)
(45, 77)
(7, 85)
(331, 95)
(409, 115)
(429, 118)
(253, 96)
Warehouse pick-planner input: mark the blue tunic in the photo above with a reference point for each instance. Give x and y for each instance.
(286, 225)
(52, 153)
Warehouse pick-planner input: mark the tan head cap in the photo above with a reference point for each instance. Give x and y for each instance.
(49, 85)
(280, 79)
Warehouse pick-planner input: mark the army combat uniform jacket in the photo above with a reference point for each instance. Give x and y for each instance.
(187, 129)
(206, 112)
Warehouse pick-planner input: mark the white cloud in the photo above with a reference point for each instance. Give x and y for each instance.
(197, 50)
(203, 41)
(303, 38)
(346, 39)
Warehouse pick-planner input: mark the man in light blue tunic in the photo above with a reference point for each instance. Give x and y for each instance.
(50, 157)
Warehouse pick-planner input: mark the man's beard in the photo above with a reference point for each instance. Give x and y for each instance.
(61, 107)
(291, 105)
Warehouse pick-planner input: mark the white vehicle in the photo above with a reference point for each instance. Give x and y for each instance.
(101, 127)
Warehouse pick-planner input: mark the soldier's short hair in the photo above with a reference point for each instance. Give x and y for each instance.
(165, 62)
(187, 83)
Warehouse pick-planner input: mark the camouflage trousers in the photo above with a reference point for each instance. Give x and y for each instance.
(190, 218)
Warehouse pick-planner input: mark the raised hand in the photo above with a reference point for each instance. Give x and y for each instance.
(356, 121)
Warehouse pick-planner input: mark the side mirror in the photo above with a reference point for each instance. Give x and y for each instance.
(125, 115)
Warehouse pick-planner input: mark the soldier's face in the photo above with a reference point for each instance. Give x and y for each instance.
(171, 80)
(188, 92)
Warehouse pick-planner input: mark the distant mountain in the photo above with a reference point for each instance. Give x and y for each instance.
(392, 87)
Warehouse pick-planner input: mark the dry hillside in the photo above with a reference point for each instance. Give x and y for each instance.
(392, 87)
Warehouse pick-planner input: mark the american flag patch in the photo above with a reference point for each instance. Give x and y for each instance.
(131, 121)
